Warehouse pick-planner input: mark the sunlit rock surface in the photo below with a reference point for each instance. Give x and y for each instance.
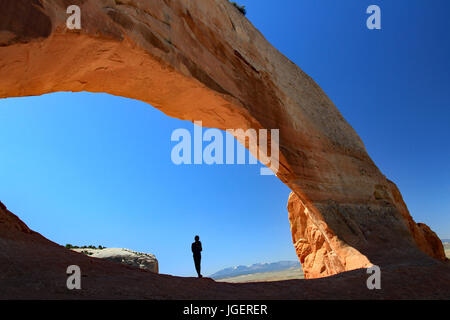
(129, 257)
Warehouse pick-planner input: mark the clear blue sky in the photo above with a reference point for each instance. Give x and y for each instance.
(96, 169)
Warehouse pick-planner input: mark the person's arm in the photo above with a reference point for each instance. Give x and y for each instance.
(201, 249)
(192, 248)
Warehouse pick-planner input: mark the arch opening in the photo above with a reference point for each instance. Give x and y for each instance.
(93, 169)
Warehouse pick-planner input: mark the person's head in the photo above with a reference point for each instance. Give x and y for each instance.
(197, 238)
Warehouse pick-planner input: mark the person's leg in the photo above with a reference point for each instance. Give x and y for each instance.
(197, 261)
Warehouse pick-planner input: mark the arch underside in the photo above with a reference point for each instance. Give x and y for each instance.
(203, 60)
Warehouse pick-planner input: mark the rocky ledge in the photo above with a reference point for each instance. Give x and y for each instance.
(141, 260)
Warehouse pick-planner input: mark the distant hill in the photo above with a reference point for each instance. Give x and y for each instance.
(293, 273)
(445, 240)
(255, 268)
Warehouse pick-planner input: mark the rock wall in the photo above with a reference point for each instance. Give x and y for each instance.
(203, 60)
(357, 236)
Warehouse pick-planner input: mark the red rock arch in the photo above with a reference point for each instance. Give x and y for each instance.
(203, 60)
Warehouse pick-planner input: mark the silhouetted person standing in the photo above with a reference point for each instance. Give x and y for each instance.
(196, 251)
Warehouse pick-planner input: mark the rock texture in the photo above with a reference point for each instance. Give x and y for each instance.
(382, 239)
(203, 60)
(129, 257)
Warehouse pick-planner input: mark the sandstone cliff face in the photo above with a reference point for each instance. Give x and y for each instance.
(381, 240)
(319, 250)
(203, 60)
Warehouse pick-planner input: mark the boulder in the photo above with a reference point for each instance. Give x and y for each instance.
(141, 260)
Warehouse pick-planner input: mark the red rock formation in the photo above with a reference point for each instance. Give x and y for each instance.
(320, 250)
(203, 60)
(9, 221)
(324, 252)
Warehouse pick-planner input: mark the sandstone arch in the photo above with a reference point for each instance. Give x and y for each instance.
(202, 60)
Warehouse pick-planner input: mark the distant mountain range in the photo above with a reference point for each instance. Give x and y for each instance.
(255, 268)
(263, 267)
